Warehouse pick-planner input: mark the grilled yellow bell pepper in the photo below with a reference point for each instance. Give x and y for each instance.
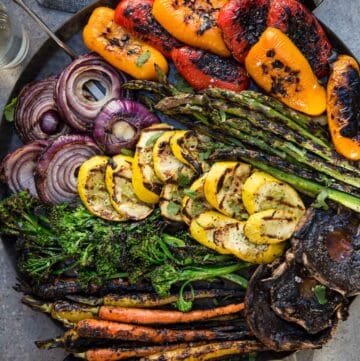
(120, 48)
(193, 22)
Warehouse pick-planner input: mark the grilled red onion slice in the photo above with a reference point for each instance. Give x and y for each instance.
(19, 167)
(36, 115)
(75, 103)
(57, 169)
(119, 124)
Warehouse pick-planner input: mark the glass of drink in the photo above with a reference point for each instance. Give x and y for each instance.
(14, 42)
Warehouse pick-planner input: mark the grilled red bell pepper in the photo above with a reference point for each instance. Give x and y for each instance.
(302, 27)
(136, 17)
(203, 70)
(242, 23)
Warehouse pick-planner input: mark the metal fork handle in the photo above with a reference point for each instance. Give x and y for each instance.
(36, 18)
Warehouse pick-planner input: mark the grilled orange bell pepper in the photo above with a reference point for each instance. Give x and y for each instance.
(119, 48)
(343, 108)
(278, 66)
(193, 22)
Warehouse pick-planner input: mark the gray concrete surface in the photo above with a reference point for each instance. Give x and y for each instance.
(20, 327)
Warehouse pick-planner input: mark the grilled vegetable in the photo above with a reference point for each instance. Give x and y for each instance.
(143, 317)
(119, 124)
(120, 48)
(343, 109)
(191, 148)
(223, 187)
(242, 22)
(170, 202)
(149, 300)
(302, 27)
(194, 23)
(194, 202)
(270, 226)
(92, 189)
(278, 66)
(166, 166)
(262, 191)
(147, 185)
(123, 353)
(119, 185)
(226, 235)
(121, 331)
(203, 70)
(208, 352)
(136, 17)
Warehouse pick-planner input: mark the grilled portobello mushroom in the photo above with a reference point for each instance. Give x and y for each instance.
(293, 297)
(267, 326)
(328, 244)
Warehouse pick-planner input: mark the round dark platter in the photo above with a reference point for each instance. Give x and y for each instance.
(50, 60)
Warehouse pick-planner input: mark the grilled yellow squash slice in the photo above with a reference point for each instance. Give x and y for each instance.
(92, 189)
(261, 191)
(147, 185)
(226, 235)
(192, 149)
(118, 180)
(167, 167)
(271, 226)
(194, 202)
(223, 187)
(170, 202)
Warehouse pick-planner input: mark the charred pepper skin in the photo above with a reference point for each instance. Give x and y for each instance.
(136, 17)
(203, 70)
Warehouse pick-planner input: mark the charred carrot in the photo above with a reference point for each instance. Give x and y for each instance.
(141, 316)
(208, 351)
(148, 300)
(92, 328)
(121, 353)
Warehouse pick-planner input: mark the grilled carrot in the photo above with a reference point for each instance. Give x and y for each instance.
(208, 351)
(92, 328)
(148, 300)
(141, 316)
(121, 353)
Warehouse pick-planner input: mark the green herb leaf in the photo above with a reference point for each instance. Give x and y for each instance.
(320, 201)
(182, 85)
(9, 110)
(152, 140)
(183, 180)
(205, 155)
(142, 59)
(127, 152)
(320, 294)
(190, 193)
(173, 208)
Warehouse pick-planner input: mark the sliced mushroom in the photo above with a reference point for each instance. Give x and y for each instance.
(295, 297)
(328, 244)
(267, 326)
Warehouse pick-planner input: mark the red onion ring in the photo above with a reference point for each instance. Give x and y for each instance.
(76, 105)
(36, 114)
(19, 167)
(119, 124)
(56, 171)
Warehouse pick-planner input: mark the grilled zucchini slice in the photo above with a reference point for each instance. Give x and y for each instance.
(223, 188)
(271, 226)
(167, 167)
(192, 149)
(261, 191)
(204, 227)
(170, 202)
(92, 189)
(118, 180)
(147, 185)
(194, 202)
(226, 235)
